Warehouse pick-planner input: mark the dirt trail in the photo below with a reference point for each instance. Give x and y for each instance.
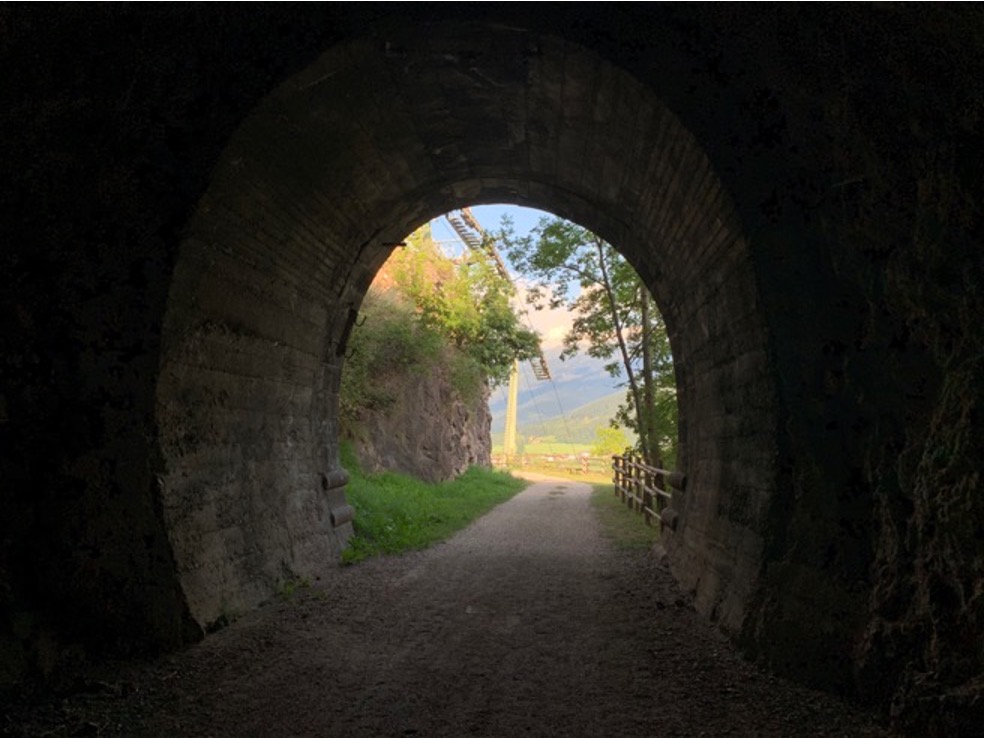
(528, 623)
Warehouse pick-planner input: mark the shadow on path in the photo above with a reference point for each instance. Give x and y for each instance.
(528, 623)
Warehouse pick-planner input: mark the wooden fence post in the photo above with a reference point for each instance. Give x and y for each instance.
(616, 474)
(646, 489)
(658, 482)
(621, 479)
(647, 497)
(629, 481)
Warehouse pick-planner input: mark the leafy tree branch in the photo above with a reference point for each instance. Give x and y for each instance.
(614, 318)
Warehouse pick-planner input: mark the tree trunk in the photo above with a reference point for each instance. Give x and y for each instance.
(637, 397)
(647, 414)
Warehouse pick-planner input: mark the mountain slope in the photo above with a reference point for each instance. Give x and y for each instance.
(577, 425)
(576, 382)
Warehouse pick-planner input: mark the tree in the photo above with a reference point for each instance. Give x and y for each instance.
(424, 308)
(609, 441)
(468, 302)
(614, 317)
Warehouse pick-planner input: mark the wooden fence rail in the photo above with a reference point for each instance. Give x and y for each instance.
(645, 488)
(563, 462)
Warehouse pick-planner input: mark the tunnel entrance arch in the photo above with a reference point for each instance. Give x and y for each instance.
(339, 164)
(846, 140)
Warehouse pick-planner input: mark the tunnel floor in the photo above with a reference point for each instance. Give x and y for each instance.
(529, 622)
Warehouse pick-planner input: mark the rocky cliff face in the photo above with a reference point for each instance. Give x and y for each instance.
(426, 429)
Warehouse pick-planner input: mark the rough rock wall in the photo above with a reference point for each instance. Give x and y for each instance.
(429, 430)
(886, 487)
(926, 609)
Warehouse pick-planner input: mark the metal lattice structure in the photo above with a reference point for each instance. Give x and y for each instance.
(476, 238)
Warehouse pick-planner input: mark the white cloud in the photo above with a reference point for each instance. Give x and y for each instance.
(552, 325)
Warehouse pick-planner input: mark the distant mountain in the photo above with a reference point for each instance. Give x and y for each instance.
(577, 425)
(576, 382)
(581, 398)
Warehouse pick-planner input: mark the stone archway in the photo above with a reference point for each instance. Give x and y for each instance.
(847, 141)
(341, 162)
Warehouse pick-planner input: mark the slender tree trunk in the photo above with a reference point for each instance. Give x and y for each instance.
(637, 397)
(646, 415)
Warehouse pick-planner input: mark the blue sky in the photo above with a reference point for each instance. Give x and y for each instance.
(490, 218)
(524, 219)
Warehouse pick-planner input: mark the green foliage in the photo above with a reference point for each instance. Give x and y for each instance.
(396, 513)
(391, 338)
(614, 319)
(290, 586)
(456, 314)
(626, 528)
(663, 421)
(468, 377)
(467, 301)
(609, 441)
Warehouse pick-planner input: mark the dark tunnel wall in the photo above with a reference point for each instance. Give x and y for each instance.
(848, 141)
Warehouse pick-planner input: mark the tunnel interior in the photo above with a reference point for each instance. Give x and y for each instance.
(199, 214)
(282, 250)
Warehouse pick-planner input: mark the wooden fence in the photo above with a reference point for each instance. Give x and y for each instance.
(646, 489)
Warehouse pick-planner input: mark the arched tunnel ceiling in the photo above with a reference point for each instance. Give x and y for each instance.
(378, 136)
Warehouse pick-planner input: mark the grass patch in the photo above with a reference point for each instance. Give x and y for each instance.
(396, 513)
(626, 528)
(289, 587)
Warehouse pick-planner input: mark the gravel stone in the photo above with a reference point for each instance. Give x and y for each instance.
(528, 623)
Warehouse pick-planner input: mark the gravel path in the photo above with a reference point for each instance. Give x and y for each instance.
(528, 623)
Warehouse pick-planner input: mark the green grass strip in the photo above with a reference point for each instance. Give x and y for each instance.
(396, 513)
(626, 528)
